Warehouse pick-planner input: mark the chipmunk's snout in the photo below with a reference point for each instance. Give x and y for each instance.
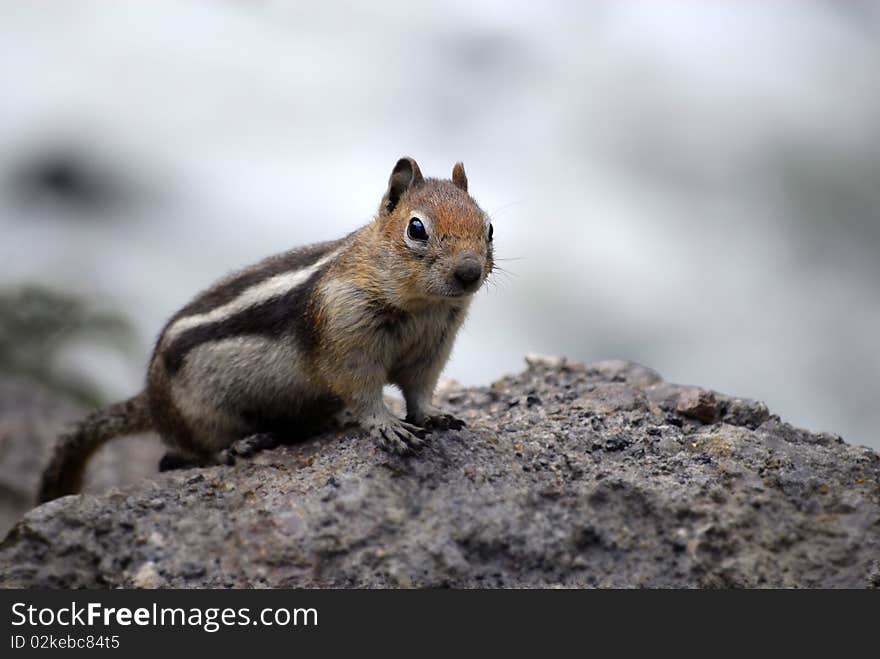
(468, 271)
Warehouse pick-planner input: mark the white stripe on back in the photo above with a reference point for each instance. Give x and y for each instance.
(260, 292)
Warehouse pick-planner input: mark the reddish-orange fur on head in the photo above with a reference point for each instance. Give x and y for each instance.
(458, 232)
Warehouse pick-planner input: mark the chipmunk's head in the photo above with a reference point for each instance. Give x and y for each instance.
(443, 237)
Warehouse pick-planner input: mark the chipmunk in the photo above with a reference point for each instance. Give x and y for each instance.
(280, 347)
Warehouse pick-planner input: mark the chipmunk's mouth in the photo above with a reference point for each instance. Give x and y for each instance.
(459, 291)
(451, 293)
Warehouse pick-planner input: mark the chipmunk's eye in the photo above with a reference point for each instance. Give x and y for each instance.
(416, 229)
(491, 231)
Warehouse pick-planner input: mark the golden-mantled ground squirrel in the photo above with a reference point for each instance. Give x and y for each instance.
(278, 348)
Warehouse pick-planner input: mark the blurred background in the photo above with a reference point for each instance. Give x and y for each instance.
(691, 185)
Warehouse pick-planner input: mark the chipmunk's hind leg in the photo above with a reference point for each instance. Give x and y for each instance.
(246, 447)
(271, 429)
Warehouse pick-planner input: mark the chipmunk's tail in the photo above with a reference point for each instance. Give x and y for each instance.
(65, 472)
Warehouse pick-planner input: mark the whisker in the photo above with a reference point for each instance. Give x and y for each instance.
(506, 207)
(492, 286)
(496, 283)
(503, 271)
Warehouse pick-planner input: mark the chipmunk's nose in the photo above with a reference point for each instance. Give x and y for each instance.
(468, 270)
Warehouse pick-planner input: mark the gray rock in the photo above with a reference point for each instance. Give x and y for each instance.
(567, 475)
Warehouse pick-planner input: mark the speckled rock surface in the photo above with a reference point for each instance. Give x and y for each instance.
(567, 475)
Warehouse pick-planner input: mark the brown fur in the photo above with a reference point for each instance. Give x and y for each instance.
(306, 331)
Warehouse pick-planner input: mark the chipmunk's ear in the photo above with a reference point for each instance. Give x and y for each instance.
(405, 175)
(459, 177)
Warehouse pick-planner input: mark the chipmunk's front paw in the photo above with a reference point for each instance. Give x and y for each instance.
(396, 436)
(436, 419)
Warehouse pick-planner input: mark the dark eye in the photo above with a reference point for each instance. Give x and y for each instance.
(491, 231)
(416, 229)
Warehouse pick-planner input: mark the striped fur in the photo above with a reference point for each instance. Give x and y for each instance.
(282, 346)
(266, 307)
(256, 295)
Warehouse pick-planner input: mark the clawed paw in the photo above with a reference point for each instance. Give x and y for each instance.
(439, 421)
(398, 437)
(445, 422)
(247, 446)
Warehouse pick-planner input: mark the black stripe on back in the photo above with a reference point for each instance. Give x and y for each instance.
(292, 312)
(234, 285)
